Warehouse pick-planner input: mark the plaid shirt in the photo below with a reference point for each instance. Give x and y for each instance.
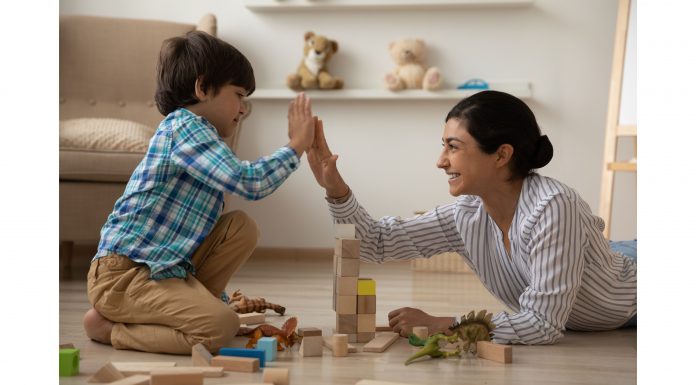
(175, 195)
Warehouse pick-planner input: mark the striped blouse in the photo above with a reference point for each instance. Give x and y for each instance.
(560, 272)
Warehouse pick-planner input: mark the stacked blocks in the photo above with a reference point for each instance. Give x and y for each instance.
(354, 298)
(268, 345)
(69, 362)
(312, 342)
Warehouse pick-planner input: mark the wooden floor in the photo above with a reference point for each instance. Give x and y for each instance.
(304, 287)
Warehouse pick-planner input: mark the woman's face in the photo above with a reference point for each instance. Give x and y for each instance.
(470, 170)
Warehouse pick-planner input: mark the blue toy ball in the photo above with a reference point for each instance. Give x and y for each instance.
(473, 84)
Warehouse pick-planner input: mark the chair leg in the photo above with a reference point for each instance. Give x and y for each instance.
(65, 255)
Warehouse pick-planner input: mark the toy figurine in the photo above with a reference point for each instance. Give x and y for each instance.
(242, 304)
(432, 347)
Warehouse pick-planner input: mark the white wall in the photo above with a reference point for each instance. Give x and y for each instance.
(388, 149)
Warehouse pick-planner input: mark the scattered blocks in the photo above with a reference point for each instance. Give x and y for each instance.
(494, 352)
(311, 346)
(69, 362)
(107, 373)
(328, 342)
(166, 376)
(276, 376)
(200, 356)
(249, 353)
(309, 332)
(380, 343)
(339, 343)
(138, 379)
(268, 345)
(236, 364)
(252, 318)
(421, 332)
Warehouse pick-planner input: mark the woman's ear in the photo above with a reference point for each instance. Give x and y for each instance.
(504, 155)
(201, 94)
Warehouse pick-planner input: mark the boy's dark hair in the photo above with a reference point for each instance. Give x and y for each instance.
(184, 59)
(495, 118)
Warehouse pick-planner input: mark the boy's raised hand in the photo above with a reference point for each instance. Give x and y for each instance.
(323, 165)
(300, 124)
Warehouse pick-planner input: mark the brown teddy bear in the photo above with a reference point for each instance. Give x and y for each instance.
(409, 55)
(312, 72)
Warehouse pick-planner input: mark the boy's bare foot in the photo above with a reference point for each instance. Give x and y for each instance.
(97, 327)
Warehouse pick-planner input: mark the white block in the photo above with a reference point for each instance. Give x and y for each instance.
(344, 230)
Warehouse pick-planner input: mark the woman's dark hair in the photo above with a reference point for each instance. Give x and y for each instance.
(184, 59)
(495, 118)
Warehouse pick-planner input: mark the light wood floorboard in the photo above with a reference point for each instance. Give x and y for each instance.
(304, 285)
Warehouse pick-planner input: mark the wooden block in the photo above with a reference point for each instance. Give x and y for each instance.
(329, 345)
(107, 373)
(132, 369)
(311, 346)
(66, 346)
(346, 304)
(236, 364)
(200, 356)
(421, 332)
(333, 304)
(367, 304)
(166, 376)
(380, 343)
(276, 376)
(347, 267)
(138, 379)
(208, 371)
(347, 285)
(367, 286)
(494, 352)
(352, 337)
(384, 328)
(339, 342)
(309, 332)
(69, 362)
(252, 318)
(366, 323)
(347, 323)
(347, 248)
(242, 352)
(268, 345)
(365, 337)
(344, 230)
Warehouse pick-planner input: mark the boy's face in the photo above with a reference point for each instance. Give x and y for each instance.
(224, 110)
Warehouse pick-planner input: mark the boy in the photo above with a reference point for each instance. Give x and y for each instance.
(166, 253)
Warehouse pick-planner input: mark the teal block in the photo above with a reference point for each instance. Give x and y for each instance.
(269, 345)
(69, 362)
(241, 352)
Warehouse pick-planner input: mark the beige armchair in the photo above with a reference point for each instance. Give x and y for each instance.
(107, 115)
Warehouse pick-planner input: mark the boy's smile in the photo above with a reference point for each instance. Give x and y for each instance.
(223, 110)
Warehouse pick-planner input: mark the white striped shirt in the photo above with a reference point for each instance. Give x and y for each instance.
(560, 272)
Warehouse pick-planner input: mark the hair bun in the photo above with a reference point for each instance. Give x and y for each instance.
(543, 153)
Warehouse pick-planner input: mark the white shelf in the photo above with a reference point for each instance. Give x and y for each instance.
(373, 5)
(520, 89)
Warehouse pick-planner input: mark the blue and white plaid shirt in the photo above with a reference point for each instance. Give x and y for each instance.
(175, 195)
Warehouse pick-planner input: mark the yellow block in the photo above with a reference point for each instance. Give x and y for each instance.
(367, 286)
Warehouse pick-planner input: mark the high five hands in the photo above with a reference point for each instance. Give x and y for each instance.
(323, 164)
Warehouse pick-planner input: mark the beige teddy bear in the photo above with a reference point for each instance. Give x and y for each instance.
(409, 55)
(312, 72)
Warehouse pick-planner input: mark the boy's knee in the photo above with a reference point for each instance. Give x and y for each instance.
(242, 226)
(228, 325)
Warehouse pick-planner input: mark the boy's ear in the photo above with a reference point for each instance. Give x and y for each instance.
(201, 94)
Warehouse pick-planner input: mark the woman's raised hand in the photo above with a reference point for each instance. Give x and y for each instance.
(323, 164)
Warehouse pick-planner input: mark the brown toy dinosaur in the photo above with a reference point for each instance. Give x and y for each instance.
(242, 304)
(286, 335)
(473, 328)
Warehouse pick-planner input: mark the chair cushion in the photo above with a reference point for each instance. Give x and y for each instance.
(101, 149)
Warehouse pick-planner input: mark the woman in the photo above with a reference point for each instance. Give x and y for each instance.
(532, 240)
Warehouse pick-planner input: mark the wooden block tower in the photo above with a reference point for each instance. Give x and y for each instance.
(354, 298)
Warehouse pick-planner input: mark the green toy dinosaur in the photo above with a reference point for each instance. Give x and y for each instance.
(473, 328)
(432, 347)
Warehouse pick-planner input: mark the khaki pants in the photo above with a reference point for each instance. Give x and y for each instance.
(172, 315)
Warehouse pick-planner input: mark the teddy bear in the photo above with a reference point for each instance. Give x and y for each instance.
(409, 55)
(312, 72)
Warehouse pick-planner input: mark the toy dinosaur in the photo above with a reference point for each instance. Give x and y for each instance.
(432, 347)
(243, 304)
(286, 335)
(473, 328)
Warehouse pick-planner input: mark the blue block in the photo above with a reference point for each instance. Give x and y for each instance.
(241, 352)
(268, 345)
